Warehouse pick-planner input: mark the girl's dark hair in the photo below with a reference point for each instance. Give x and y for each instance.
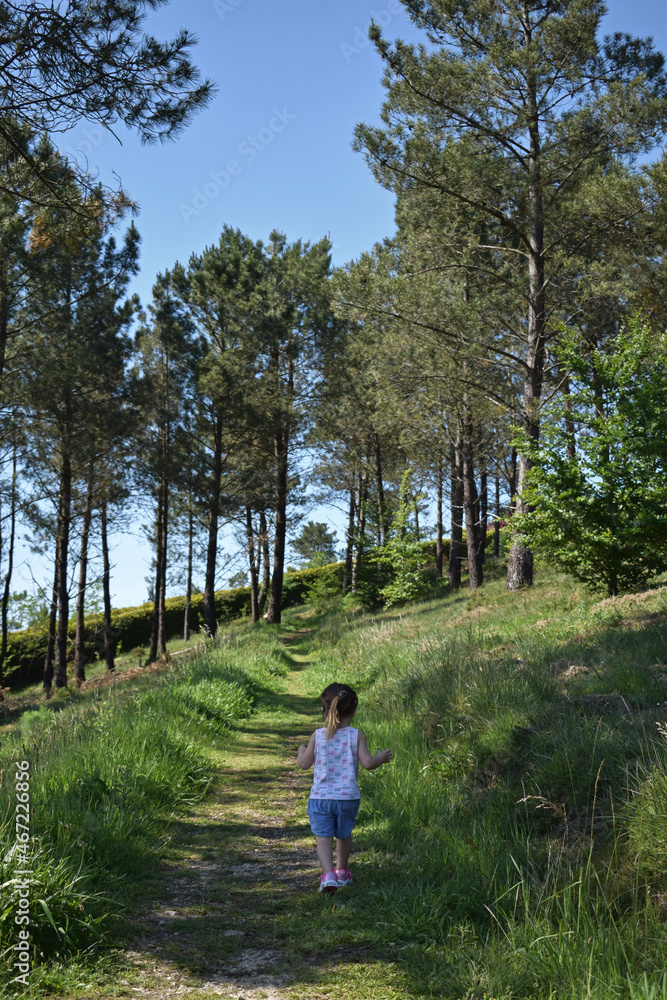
(339, 702)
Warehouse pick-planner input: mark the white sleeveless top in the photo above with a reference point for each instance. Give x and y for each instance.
(336, 765)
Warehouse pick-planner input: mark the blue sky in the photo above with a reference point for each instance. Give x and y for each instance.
(272, 151)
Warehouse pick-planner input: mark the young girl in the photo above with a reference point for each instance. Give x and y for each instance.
(336, 751)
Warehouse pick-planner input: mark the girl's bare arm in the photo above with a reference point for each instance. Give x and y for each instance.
(306, 754)
(366, 758)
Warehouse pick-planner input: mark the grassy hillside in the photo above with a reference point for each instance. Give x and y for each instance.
(110, 769)
(525, 810)
(516, 846)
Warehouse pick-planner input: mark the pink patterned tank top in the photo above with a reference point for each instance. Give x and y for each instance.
(336, 765)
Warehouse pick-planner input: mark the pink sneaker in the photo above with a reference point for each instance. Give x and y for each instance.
(343, 877)
(328, 883)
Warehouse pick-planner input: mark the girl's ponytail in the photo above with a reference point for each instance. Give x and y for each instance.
(333, 719)
(339, 702)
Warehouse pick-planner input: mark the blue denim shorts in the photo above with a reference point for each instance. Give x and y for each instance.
(332, 817)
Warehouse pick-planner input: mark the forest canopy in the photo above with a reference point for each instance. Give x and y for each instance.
(498, 362)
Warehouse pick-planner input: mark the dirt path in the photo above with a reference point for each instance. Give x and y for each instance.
(241, 877)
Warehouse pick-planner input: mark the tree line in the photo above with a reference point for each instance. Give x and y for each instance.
(64, 321)
(506, 345)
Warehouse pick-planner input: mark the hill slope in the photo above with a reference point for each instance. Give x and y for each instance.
(514, 847)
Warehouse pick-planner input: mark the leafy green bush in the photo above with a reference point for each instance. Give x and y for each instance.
(600, 513)
(297, 585)
(404, 554)
(326, 589)
(132, 626)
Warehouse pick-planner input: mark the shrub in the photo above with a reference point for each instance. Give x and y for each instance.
(599, 513)
(132, 626)
(404, 554)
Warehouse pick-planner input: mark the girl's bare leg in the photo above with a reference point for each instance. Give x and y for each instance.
(325, 852)
(343, 848)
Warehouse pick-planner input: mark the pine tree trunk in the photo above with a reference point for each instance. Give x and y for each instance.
(51, 635)
(62, 552)
(106, 590)
(4, 311)
(349, 544)
(438, 526)
(280, 442)
(456, 539)
(471, 502)
(511, 482)
(610, 497)
(152, 653)
(520, 566)
(483, 513)
(360, 533)
(571, 447)
(250, 533)
(188, 585)
(210, 618)
(4, 616)
(496, 523)
(379, 484)
(10, 568)
(258, 561)
(266, 561)
(162, 615)
(80, 637)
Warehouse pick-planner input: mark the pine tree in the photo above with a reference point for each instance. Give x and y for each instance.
(315, 544)
(296, 337)
(509, 122)
(76, 363)
(164, 375)
(218, 292)
(64, 63)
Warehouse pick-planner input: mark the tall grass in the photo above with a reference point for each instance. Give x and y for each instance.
(108, 772)
(518, 836)
(526, 803)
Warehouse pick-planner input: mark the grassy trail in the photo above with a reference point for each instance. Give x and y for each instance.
(239, 915)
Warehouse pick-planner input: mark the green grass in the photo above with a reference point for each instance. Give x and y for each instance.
(515, 847)
(109, 770)
(525, 811)
(97, 668)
